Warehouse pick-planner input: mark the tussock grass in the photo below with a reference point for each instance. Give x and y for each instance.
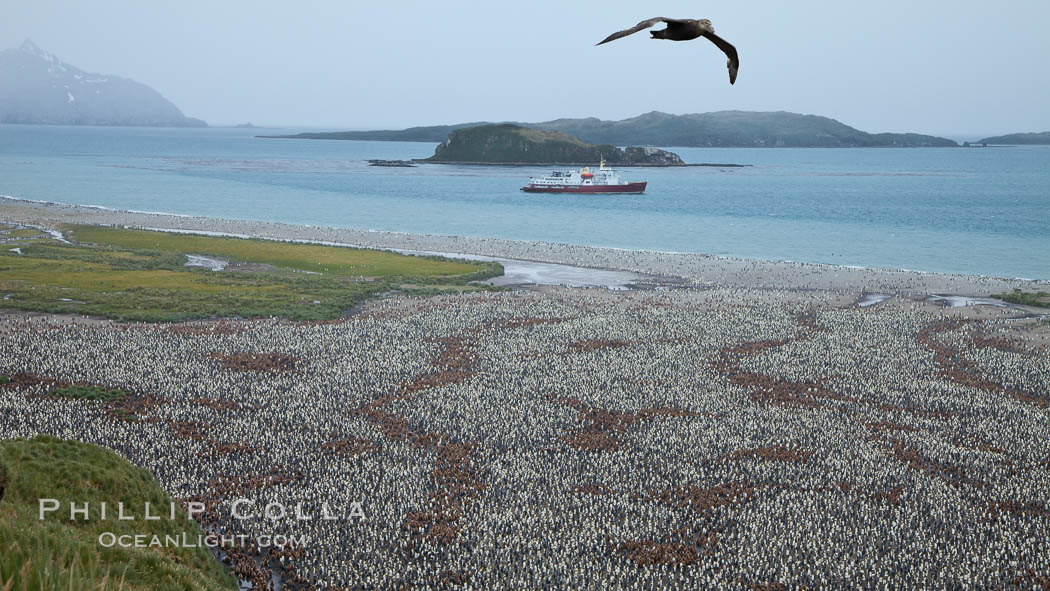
(88, 393)
(59, 554)
(333, 260)
(1039, 299)
(23, 233)
(139, 275)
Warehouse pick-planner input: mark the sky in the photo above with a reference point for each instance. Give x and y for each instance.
(955, 68)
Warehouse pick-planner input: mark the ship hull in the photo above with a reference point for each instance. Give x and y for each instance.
(588, 189)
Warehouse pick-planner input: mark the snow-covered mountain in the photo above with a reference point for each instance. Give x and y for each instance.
(37, 87)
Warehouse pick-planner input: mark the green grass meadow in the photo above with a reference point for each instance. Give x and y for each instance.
(140, 275)
(1039, 299)
(22, 233)
(337, 261)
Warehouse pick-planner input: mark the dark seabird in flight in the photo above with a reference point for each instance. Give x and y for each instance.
(685, 29)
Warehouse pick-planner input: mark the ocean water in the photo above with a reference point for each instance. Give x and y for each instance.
(979, 210)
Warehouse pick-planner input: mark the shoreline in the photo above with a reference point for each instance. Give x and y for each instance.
(701, 270)
(617, 165)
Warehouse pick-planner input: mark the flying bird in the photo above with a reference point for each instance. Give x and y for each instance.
(685, 29)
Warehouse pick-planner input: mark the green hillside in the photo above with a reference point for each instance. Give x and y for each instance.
(512, 144)
(735, 129)
(57, 553)
(720, 129)
(433, 133)
(1019, 139)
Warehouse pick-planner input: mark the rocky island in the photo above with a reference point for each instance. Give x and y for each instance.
(507, 143)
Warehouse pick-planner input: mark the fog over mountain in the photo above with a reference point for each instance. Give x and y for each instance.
(37, 87)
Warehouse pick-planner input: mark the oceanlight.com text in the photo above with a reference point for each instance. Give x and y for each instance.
(184, 540)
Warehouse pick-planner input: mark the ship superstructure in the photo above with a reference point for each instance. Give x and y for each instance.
(584, 180)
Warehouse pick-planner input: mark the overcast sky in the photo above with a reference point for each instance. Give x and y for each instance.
(933, 66)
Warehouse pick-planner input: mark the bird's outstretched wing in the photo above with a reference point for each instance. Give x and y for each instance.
(642, 25)
(730, 51)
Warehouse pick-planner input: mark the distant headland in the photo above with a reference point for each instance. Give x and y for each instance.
(1019, 139)
(724, 129)
(506, 143)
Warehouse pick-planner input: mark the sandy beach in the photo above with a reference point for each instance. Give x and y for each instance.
(722, 423)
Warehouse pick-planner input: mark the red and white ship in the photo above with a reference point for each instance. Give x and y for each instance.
(603, 180)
